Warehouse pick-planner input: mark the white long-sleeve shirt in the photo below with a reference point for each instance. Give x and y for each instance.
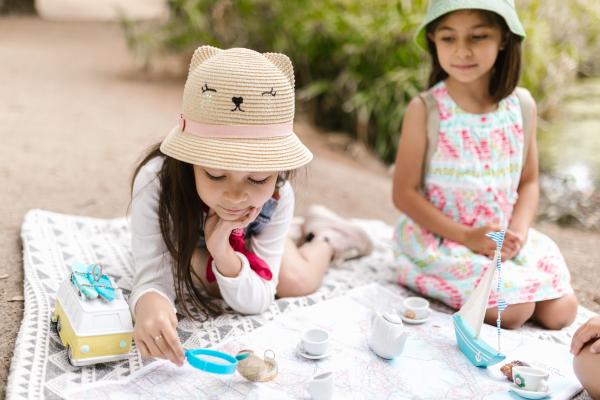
(246, 293)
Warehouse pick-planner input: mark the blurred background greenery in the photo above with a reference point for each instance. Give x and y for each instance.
(357, 67)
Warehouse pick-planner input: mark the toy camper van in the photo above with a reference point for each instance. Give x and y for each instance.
(92, 318)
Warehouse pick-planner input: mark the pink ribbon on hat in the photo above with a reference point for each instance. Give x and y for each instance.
(257, 264)
(235, 131)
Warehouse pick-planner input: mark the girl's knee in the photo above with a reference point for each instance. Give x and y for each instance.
(513, 317)
(516, 315)
(557, 314)
(557, 323)
(287, 285)
(560, 321)
(292, 284)
(513, 322)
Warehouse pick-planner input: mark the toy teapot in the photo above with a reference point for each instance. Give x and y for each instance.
(387, 335)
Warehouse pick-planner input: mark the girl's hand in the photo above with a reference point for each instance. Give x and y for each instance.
(217, 230)
(513, 242)
(476, 241)
(154, 331)
(588, 332)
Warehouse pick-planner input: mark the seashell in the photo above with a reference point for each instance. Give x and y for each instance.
(255, 368)
(506, 369)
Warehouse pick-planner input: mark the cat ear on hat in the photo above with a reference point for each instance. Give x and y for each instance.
(202, 54)
(284, 64)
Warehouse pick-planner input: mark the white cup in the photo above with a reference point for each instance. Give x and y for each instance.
(320, 386)
(315, 341)
(529, 378)
(415, 307)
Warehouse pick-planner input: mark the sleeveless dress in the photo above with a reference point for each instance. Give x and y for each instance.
(472, 178)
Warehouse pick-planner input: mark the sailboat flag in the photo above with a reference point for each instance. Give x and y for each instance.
(498, 237)
(502, 305)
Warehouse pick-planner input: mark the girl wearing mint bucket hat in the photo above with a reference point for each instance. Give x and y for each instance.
(212, 207)
(467, 165)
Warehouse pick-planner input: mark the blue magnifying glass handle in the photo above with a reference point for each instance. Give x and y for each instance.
(213, 361)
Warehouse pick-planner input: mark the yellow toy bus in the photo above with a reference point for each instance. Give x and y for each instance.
(92, 330)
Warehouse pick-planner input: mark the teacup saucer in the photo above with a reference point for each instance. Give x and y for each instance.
(311, 356)
(529, 394)
(415, 321)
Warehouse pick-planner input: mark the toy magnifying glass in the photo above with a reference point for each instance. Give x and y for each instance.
(213, 361)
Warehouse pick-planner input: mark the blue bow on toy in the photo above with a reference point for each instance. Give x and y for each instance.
(92, 282)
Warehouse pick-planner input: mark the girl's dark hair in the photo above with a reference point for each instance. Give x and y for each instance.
(179, 201)
(507, 68)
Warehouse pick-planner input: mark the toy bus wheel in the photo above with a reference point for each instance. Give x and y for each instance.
(70, 355)
(58, 326)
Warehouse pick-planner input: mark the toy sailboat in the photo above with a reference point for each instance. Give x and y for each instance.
(469, 319)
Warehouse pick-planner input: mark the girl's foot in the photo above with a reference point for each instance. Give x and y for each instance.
(347, 239)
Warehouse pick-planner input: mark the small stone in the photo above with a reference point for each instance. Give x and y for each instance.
(3, 276)
(410, 314)
(597, 299)
(17, 298)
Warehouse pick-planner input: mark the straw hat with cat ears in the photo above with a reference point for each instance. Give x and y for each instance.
(238, 113)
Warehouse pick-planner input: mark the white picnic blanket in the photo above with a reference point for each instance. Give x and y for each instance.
(51, 242)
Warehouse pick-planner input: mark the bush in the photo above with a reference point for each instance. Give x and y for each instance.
(554, 57)
(356, 62)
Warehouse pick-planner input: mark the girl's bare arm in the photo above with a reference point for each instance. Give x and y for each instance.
(407, 181)
(528, 190)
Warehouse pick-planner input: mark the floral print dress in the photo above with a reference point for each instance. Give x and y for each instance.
(472, 178)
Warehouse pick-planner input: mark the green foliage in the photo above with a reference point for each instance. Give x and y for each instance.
(355, 60)
(563, 40)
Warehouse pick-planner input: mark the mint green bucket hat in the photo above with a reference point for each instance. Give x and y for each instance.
(504, 8)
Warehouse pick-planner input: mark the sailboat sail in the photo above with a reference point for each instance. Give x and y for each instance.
(473, 311)
(469, 319)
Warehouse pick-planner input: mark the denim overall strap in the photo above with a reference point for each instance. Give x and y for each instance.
(264, 217)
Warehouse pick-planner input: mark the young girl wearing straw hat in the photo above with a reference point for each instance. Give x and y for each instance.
(212, 207)
(467, 165)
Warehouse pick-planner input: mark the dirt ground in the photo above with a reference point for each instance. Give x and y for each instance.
(75, 116)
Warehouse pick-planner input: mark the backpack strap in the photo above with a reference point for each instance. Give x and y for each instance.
(433, 129)
(527, 106)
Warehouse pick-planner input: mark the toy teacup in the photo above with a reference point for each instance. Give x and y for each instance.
(530, 378)
(321, 386)
(415, 308)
